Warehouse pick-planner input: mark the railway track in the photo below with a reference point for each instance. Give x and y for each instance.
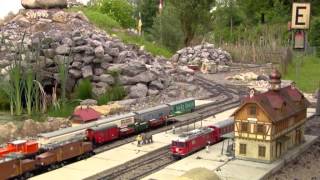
(138, 168)
(153, 161)
(230, 98)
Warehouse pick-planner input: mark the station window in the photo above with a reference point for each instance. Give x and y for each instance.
(260, 128)
(253, 111)
(244, 127)
(262, 151)
(243, 149)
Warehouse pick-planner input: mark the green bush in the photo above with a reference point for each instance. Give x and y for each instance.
(120, 10)
(314, 34)
(115, 93)
(84, 89)
(4, 100)
(66, 111)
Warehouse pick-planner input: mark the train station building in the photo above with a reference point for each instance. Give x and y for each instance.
(268, 124)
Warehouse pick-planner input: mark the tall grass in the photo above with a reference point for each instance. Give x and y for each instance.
(29, 87)
(84, 89)
(63, 76)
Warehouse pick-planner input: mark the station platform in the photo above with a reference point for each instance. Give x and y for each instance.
(226, 167)
(117, 156)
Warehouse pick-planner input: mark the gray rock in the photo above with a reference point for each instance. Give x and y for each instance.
(88, 59)
(95, 78)
(156, 84)
(4, 63)
(173, 93)
(105, 65)
(60, 17)
(127, 102)
(107, 78)
(102, 85)
(97, 92)
(76, 64)
(75, 73)
(99, 51)
(95, 43)
(125, 80)
(107, 58)
(145, 77)
(134, 68)
(67, 41)
(80, 49)
(222, 68)
(60, 59)
(43, 4)
(63, 50)
(98, 71)
(87, 71)
(50, 53)
(79, 41)
(138, 91)
(89, 102)
(70, 84)
(153, 92)
(114, 52)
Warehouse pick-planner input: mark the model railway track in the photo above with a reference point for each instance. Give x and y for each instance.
(139, 167)
(231, 99)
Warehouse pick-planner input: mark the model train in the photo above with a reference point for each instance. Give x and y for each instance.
(51, 150)
(189, 142)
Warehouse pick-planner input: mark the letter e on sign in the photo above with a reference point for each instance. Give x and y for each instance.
(300, 16)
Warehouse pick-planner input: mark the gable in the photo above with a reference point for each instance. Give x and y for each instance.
(243, 112)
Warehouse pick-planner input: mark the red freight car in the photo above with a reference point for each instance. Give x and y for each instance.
(192, 141)
(103, 133)
(25, 147)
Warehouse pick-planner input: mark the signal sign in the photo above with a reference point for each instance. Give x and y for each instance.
(300, 16)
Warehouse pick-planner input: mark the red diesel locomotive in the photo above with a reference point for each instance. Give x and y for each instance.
(197, 139)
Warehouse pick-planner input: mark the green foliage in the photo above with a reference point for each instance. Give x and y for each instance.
(66, 111)
(167, 29)
(115, 93)
(305, 72)
(4, 100)
(314, 34)
(120, 10)
(148, 10)
(99, 19)
(63, 76)
(194, 17)
(84, 89)
(29, 90)
(151, 47)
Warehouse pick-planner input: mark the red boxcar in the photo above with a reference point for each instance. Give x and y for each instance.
(192, 141)
(103, 133)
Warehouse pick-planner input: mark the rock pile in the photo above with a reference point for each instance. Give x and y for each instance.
(64, 37)
(200, 53)
(30, 128)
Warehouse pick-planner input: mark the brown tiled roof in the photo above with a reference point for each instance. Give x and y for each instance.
(278, 105)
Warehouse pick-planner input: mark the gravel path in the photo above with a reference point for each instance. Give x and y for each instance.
(307, 165)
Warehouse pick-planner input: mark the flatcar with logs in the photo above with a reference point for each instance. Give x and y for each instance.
(192, 141)
(53, 149)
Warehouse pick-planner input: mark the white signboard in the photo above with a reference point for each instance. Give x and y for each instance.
(300, 16)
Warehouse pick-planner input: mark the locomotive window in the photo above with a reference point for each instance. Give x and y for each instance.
(178, 144)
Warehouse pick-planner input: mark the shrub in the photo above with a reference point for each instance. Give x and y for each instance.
(314, 34)
(4, 100)
(120, 10)
(115, 93)
(84, 89)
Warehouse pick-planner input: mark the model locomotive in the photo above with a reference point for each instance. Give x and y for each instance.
(194, 140)
(51, 150)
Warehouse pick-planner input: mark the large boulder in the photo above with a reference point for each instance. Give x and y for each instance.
(43, 4)
(138, 91)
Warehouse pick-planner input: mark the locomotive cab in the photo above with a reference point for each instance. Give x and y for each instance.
(179, 149)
